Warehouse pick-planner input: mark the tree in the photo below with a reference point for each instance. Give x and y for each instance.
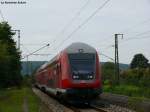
(108, 71)
(139, 61)
(10, 65)
(4, 61)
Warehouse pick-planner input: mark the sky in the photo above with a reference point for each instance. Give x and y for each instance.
(53, 21)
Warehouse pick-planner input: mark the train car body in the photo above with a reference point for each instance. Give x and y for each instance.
(73, 74)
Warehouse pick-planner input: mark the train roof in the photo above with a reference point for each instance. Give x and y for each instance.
(79, 47)
(42, 67)
(47, 63)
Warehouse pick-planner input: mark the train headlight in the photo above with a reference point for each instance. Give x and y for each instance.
(75, 77)
(90, 76)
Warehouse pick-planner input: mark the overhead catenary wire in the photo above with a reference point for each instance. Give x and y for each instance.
(136, 36)
(106, 56)
(132, 38)
(35, 51)
(145, 21)
(42, 54)
(32, 44)
(112, 45)
(140, 23)
(130, 28)
(72, 20)
(86, 21)
(25, 48)
(75, 17)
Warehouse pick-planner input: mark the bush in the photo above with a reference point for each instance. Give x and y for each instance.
(140, 77)
(108, 72)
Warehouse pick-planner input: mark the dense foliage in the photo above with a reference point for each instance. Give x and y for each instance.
(134, 81)
(139, 77)
(10, 65)
(139, 61)
(108, 72)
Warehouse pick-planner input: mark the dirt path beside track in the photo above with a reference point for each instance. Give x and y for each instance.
(25, 105)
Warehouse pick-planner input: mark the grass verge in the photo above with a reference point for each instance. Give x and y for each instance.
(11, 100)
(139, 97)
(129, 90)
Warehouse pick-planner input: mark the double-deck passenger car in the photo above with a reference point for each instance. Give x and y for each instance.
(74, 74)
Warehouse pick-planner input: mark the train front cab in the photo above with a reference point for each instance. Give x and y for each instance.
(80, 76)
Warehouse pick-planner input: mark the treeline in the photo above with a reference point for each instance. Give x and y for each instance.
(10, 65)
(137, 74)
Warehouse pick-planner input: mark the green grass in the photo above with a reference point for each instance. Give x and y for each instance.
(11, 100)
(129, 90)
(136, 94)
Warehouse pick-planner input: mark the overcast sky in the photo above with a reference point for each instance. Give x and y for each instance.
(43, 21)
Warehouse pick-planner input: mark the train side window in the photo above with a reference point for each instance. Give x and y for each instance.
(55, 72)
(59, 67)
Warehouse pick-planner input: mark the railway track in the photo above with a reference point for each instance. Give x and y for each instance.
(55, 106)
(127, 102)
(88, 109)
(98, 108)
(50, 104)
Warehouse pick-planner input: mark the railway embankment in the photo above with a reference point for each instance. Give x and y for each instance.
(50, 104)
(139, 105)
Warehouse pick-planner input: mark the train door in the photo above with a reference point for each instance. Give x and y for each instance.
(57, 75)
(50, 78)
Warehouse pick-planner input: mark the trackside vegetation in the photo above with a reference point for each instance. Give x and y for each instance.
(134, 81)
(10, 65)
(14, 100)
(15, 93)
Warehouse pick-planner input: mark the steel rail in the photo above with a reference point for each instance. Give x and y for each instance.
(73, 108)
(98, 108)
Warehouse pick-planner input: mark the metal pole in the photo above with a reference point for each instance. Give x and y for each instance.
(115, 58)
(27, 66)
(117, 74)
(19, 40)
(27, 56)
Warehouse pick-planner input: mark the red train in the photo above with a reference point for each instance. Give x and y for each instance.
(74, 74)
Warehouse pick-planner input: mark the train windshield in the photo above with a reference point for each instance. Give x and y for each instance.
(82, 66)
